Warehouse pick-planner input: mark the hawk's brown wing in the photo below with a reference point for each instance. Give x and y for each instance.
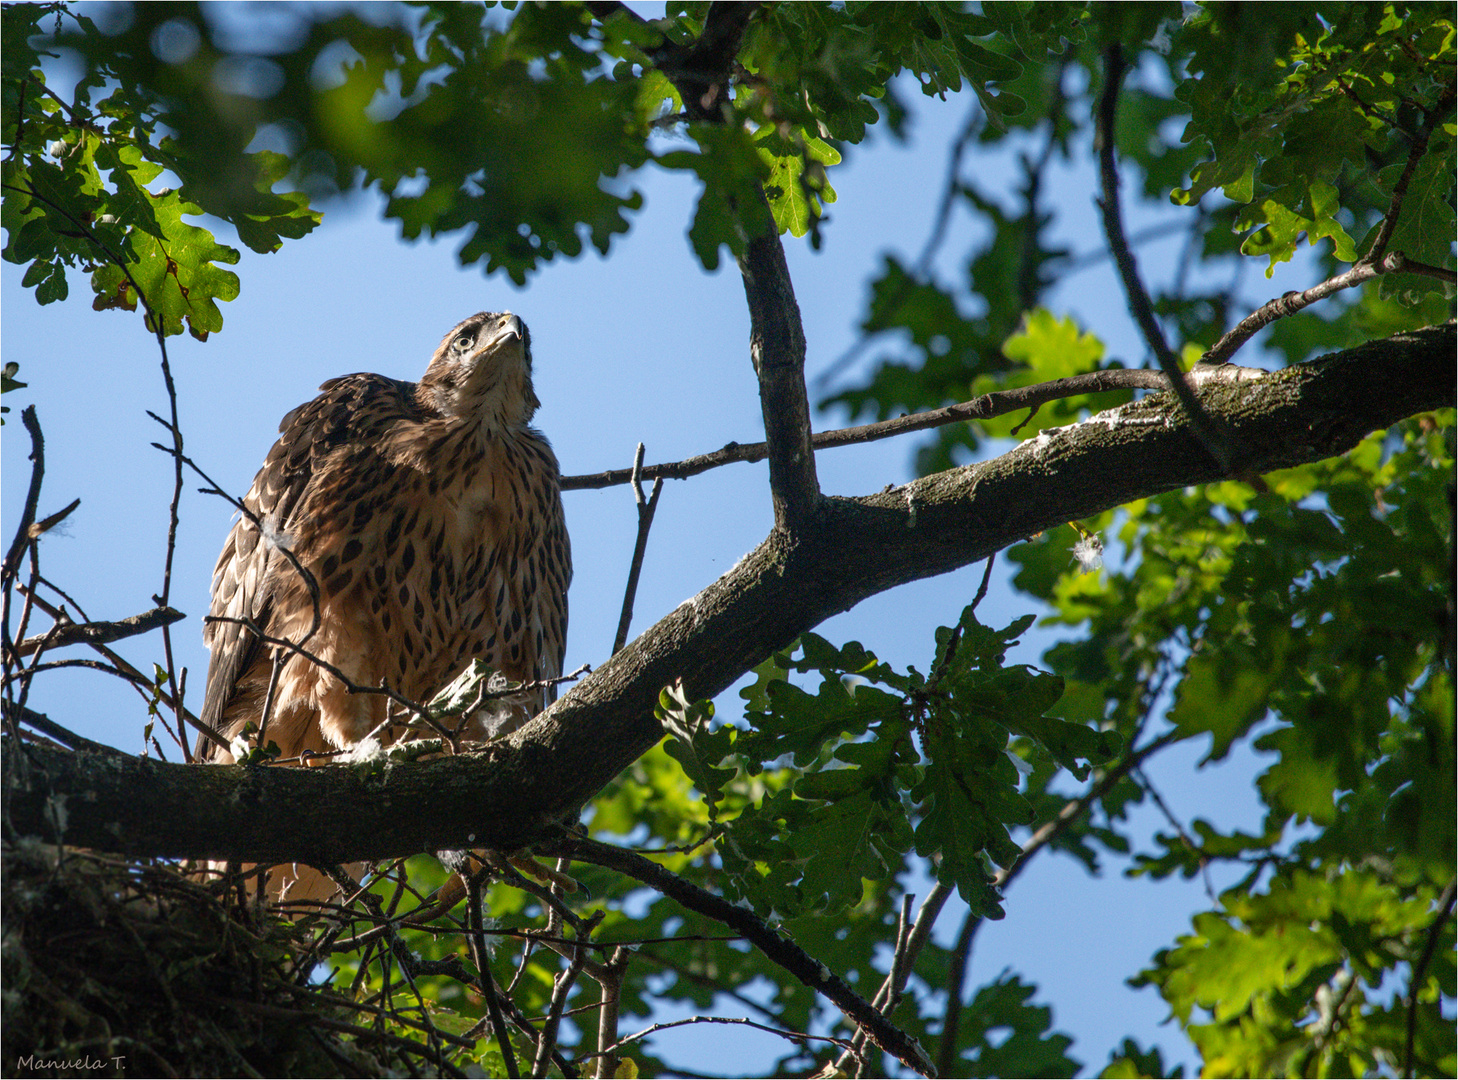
(346, 420)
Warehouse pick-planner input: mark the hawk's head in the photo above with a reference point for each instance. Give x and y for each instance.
(483, 370)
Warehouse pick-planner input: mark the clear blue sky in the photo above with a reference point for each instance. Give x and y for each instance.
(643, 346)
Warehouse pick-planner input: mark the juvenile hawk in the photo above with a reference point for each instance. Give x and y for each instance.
(430, 516)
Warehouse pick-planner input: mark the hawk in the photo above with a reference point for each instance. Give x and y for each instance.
(429, 516)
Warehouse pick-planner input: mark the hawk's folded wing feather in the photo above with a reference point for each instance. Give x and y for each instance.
(250, 567)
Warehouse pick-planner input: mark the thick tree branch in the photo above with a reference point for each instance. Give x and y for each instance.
(701, 72)
(508, 794)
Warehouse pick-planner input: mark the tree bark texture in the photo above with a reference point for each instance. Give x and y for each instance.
(508, 794)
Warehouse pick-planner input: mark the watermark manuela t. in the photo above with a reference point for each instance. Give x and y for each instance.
(34, 1063)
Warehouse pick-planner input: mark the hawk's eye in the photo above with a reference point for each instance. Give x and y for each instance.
(462, 343)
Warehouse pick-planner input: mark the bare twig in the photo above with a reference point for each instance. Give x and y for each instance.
(46, 524)
(314, 1017)
(1174, 823)
(276, 670)
(11, 568)
(102, 633)
(214, 488)
(1205, 427)
(173, 517)
(893, 986)
(32, 495)
(688, 974)
(1292, 302)
(141, 682)
(159, 329)
(985, 407)
(1076, 808)
(487, 982)
(646, 509)
(778, 949)
(1399, 190)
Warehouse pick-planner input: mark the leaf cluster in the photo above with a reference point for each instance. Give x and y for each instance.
(829, 789)
(1315, 622)
(79, 175)
(1315, 124)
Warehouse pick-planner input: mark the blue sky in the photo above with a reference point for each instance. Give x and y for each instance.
(640, 346)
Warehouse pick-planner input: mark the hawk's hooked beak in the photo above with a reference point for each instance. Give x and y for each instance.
(509, 327)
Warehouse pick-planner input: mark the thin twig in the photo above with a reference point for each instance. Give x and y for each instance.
(32, 495)
(46, 726)
(1075, 808)
(985, 407)
(698, 978)
(1091, 258)
(1292, 302)
(11, 566)
(926, 917)
(1174, 822)
(173, 517)
(1209, 432)
(276, 670)
(487, 982)
(158, 326)
(279, 1013)
(35, 666)
(141, 682)
(214, 488)
(1415, 154)
(1419, 972)
(794, 1036)
(646, 508)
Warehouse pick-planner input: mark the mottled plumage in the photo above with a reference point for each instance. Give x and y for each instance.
(430, 516)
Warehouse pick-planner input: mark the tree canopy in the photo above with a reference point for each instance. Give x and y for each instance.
(1279, 544)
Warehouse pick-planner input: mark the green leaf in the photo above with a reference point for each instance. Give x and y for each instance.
(692, 745)
(796, 186)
